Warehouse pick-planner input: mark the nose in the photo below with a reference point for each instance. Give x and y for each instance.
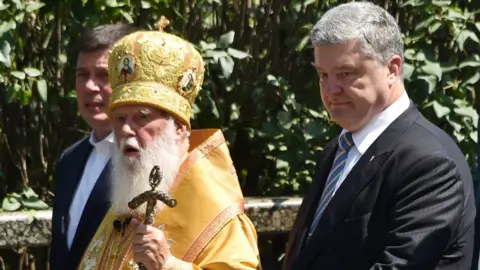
(331, 86)
(128, 128)
(92, 86)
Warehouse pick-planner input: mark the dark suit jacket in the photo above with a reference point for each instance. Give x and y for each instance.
(67, 177)
(407, 204)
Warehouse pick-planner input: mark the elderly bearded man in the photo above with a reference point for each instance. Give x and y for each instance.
(150, 110)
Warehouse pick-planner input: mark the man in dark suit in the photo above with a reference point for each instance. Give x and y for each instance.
(82, 175)
(392, 191)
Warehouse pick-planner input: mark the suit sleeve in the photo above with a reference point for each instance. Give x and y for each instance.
(56, 223)
(234, 247)
(426, 211)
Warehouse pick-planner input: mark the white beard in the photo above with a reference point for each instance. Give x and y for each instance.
(131, 174)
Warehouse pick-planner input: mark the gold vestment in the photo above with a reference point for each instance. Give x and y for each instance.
(206, 230)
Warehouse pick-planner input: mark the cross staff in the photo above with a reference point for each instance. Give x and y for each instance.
(151, 197)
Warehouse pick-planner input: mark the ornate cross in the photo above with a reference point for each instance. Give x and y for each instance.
(151, 197)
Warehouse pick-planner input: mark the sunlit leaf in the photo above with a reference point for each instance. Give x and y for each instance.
(440, 110)
(127, 16)
(10, 204)
(32, 72)
(42, 89)
(226, 39)
(463, 36)
(32, 6)
(226, 63)
(433, 68)
(407, 71)
(18, 74)
(146, 5)
(237, 54)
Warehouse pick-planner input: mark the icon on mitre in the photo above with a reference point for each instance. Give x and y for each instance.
(127, 67)
(188, 81)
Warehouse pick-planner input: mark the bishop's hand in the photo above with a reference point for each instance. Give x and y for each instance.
(150, 246)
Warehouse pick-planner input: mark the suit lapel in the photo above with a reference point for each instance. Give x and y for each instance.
(358, 178)
(72, 173)
(95, 209)
(309, 204)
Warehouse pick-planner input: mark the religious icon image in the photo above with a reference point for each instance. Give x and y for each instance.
(127, 65)
(188, 80)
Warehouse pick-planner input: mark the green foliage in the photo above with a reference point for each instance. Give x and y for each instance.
(27, 200)
(260, 87)
(441, 70)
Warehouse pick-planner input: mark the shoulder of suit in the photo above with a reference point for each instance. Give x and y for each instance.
(72, 148)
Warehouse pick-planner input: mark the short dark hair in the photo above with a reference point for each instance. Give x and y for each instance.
(102, 37)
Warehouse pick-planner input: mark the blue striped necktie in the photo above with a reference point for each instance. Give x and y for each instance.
(345, 142)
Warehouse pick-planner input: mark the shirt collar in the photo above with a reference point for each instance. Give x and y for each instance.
(107, 140)
(365, 137)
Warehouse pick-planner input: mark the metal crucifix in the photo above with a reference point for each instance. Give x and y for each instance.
(151, 197)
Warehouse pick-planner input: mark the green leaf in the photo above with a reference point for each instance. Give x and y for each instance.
(5, 50)
(111, 3)
(146, 5)
(407, 71)
(32, 72)
(472, 62)
(409, 54)
(18, 74)
(431, 82)
(226, 63)
(456, 15)
(32, 6)
(237, 54)
(34, 203)
(463, 36)
(3, 6)
(440, 110)
(207, 46)
(62, 58)
(301, 45)
(72, 94)
(441, 3)
(10, 204)
(127, 16)
(226, 39)
(216, 55)
(434, 27)
(471, 81)
(433, 68)
(42, 89)
(7, 26)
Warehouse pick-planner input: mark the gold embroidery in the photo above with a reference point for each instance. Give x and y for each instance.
(156, 68)
(212, 229)
(91, 257)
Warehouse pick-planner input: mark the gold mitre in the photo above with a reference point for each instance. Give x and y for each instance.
(157, 69)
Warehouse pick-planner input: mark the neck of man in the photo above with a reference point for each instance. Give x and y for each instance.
(101, 133)
(397, 90)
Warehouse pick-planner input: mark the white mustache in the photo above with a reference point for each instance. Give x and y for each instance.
(130, 142)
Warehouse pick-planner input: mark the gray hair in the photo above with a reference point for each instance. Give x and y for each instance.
(377, 31)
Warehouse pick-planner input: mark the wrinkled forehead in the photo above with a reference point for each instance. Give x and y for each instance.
(135, 109)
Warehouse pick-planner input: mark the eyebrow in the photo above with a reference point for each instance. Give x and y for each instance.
(145, 111)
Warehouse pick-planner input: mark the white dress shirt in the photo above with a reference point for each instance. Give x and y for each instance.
(98, 159)
(365, 137)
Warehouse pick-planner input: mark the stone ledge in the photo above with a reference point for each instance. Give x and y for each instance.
(268, 214)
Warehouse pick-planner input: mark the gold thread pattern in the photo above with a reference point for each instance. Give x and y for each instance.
(212, 229)
(158, 69)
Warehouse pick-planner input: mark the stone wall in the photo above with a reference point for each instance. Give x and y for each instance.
(32, 229)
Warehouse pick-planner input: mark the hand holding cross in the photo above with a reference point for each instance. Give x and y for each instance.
(151, 197)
